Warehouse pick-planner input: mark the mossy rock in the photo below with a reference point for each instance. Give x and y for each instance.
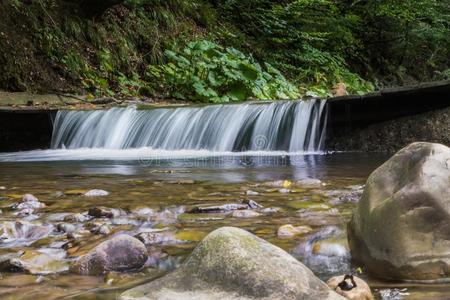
(231, 263)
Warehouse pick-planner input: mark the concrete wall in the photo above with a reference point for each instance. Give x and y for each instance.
(392, 135)
(25, 130)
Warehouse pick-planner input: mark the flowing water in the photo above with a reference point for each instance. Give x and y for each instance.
(156, 169)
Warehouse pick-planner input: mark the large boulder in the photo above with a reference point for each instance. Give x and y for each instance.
(401, 228)
(231, 263)
(121, 253)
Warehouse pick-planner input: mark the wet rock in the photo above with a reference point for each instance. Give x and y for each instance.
(231, 263)
(96, 193)
(245, 213)
(79, 218)
(28, 205)
(104, 229)
(66, 227)
(106, 212)
(218, 208)
(120, 253)
(156, 237)
(360, 292)
(42, 261)
(401, 228)
(252, 204)
(288, 231)
(21, 233)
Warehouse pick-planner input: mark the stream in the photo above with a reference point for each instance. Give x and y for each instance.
(157, 184)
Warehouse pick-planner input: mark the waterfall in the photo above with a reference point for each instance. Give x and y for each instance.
(285, 125)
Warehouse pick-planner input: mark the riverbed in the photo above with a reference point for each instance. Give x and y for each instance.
(158, 194)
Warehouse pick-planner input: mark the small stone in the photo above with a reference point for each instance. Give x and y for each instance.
(284, 191)
(96, 193)
(360, 292)
(2, 187)
(246, 213)
(105, 212)
(287, 231)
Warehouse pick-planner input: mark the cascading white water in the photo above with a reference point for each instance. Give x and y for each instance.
(290, 126)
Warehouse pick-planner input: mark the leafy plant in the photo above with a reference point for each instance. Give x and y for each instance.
(204, 71)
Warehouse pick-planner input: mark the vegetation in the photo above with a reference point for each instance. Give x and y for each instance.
(221, 50)
(208, 72)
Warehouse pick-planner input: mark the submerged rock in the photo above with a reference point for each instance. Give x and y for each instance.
(231, 263)
(42, 261)
(401, 228)
(287, 231)
(96, 193)
(347, 289)
(120, 253)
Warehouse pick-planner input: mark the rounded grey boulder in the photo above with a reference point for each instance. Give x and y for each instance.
(231, 263)
(121, 253)
(401, 228)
